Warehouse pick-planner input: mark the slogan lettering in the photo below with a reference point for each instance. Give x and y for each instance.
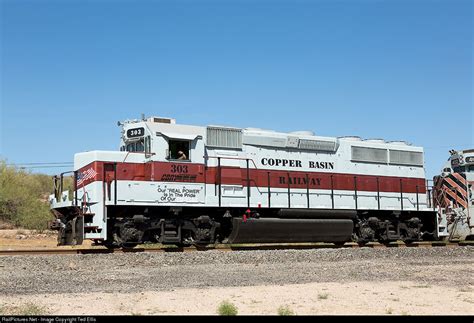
(188, 194)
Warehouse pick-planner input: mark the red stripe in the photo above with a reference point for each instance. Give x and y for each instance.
(454, 187)
(456, 199)
(199, 173)
(460, 178)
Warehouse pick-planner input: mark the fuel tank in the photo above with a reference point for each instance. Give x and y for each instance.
(273, 230)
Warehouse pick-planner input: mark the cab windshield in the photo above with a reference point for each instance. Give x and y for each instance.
(136, 146)
(140, 145)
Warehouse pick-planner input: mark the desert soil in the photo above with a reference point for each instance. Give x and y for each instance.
(14, 239)
(365, 281)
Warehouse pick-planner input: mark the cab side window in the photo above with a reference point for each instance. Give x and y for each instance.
(179, 150)
(147, 145)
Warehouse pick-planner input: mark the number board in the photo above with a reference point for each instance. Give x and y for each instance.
(135, 132)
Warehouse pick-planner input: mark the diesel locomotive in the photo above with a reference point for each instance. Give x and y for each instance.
(196, 185)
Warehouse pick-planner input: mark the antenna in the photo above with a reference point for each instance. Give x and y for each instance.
(143, 116)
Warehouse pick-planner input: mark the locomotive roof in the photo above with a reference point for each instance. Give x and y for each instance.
(257, 136)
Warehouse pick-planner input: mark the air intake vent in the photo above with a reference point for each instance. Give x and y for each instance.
(224, 137)
(322, 145)
(371, 155)
(161, 120)
(403, 157)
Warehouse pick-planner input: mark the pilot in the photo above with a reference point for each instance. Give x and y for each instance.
(181, 155)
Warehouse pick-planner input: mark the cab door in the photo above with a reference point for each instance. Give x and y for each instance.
(181, 177)
(110, 175)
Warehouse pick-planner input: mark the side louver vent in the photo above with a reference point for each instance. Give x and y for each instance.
(321, 145)
(403, 157)
(371, 155)
(221, 137)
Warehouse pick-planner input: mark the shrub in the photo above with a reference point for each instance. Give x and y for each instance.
(24, 197)
(323, 296)
(227, 308)
(285, 311)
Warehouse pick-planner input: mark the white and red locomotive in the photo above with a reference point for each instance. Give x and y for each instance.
(182, 184)
(453, 196)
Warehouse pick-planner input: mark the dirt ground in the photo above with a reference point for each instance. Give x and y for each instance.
(358, 298)
(14, 239)
(317, 298)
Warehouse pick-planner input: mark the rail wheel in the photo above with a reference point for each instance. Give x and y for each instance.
(128, 245)
(110, 245)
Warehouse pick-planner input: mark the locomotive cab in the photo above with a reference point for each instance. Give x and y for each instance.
(159, 142)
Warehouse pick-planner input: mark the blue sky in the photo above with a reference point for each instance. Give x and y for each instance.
(397, 70)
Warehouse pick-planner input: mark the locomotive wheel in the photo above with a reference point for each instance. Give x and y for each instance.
(65, 236)
(356, 237)
(183, 245)
(405, 238)
(128, 245)
(61, 237)
(110, 244)
(118, 242)
(201, 245)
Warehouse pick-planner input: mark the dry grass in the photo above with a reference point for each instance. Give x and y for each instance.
(27, 309)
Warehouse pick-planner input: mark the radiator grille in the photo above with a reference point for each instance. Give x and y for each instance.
(372, 155)
(224, 137)
(318, 145)
(404, 157)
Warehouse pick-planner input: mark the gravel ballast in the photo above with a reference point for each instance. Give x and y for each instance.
(137, 272)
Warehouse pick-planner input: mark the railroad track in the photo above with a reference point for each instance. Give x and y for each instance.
(269, 246)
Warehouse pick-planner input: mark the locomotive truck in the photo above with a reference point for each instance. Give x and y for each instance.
(192, 185)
